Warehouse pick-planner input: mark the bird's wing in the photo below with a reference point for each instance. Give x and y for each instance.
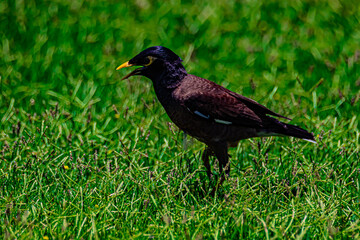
(218, 104)
(222, 109)
(257, 107)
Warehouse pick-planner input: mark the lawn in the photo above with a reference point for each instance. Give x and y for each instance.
(84, 155)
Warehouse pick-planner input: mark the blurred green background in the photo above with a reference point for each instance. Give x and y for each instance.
(85, 155)
(47, 47)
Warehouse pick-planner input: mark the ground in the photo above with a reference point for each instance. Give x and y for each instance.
(85, 155)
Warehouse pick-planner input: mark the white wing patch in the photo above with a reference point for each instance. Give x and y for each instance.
(208, 117)
(222, 121)
(202, 115)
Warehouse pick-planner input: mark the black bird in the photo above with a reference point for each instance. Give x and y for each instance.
(205, 110)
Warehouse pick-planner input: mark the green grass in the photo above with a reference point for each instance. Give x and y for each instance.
(84, 155)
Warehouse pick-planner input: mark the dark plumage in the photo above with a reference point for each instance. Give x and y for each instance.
(203, 109)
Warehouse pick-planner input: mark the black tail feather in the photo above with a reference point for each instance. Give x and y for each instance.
(295, 131)
(290, 130)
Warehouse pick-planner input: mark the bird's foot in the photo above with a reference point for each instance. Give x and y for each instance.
(216, 182)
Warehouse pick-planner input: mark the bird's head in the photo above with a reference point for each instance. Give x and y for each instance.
(157, 62)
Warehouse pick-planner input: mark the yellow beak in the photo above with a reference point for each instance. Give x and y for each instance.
(124, 65)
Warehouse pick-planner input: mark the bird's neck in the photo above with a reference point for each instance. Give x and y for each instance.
(167, 76)
(165, 83)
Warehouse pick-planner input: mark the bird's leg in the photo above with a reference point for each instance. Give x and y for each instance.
(220, 151)
(205, 157)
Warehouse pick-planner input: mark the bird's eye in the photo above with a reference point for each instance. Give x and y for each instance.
(149, 60)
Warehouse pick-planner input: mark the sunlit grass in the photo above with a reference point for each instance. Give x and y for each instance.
(85, 155)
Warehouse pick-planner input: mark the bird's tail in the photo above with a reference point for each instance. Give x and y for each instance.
(285, 129)
(295, 131)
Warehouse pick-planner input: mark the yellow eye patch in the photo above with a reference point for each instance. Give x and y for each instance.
(151, 60)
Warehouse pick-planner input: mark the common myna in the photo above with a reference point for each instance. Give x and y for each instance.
(205, 110)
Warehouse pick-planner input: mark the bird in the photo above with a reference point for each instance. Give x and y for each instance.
(214, 115)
